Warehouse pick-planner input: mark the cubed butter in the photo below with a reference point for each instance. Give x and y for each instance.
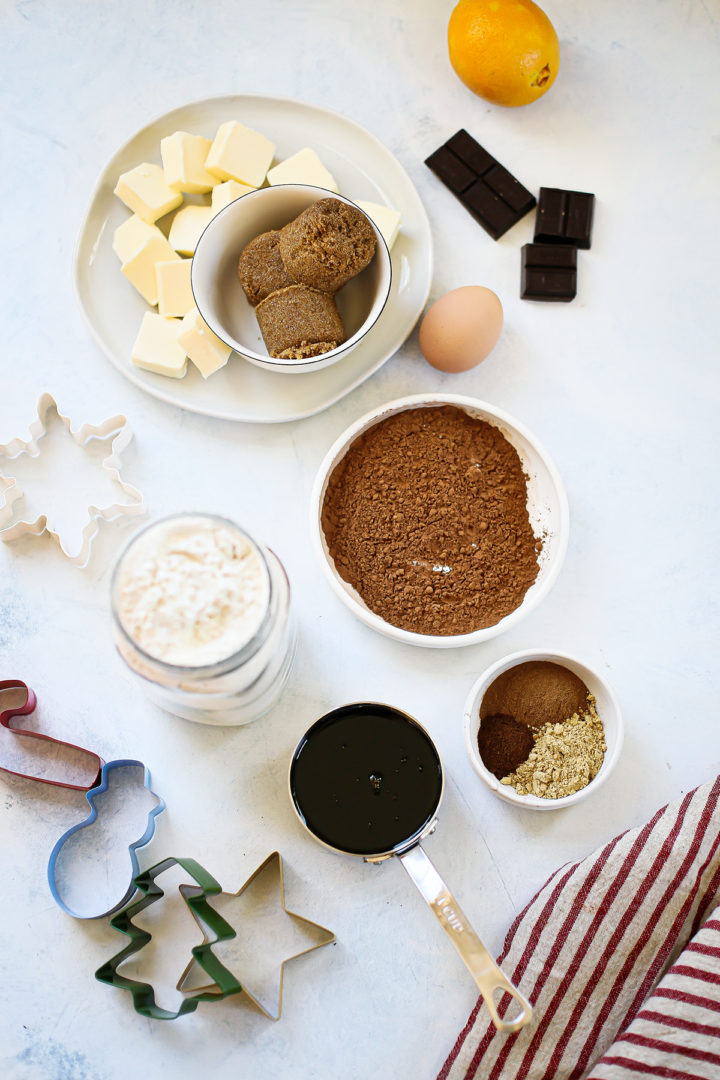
(175, 295)
(227, 192)
(183, 158)
(207, 352)
(144, 190)
(129, 237)
(305, 167)
(386, 219)
(156, 347)
(239, 153)
(140, 267)
(188, 226)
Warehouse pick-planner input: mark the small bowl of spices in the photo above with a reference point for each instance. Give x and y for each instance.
(439, 520)
(542, 729)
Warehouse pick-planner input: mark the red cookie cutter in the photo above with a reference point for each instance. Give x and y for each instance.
(25, 709)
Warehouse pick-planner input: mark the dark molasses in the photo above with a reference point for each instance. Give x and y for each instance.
(366, 779)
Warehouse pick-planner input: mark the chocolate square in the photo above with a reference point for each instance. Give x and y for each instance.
(451, 170)
(549, 272)
(488, 209)
(564, 217)
(472, 153)
(510, 191)
(492, 195)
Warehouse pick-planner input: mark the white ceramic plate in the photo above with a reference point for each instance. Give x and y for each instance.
(363, 168)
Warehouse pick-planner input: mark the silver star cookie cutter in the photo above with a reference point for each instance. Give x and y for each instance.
(12, 494)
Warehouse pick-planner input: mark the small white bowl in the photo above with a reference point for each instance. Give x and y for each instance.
(607, 707)
(220, 298)
(547, 510)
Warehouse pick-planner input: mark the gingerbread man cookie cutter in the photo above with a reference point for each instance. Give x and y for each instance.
(116, 427)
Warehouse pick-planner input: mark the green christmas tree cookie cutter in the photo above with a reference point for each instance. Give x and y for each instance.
(143, 994)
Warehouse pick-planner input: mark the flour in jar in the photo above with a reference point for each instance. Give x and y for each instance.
(191, 591)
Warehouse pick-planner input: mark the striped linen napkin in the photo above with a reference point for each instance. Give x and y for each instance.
(590, 951)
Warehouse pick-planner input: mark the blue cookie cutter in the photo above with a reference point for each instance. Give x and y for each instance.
(133, 848)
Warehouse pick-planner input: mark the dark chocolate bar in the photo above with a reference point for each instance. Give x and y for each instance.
(549, 272)
(564, 217)
(485, 188)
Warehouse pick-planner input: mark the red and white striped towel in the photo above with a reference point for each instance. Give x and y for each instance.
(591, 947)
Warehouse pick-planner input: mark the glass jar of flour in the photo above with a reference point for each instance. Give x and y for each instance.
(201, 613)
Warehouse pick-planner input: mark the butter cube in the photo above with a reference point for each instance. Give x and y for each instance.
(156, 347)
(227, 192)
(144, 191)
(188, 226)
(239, 153)
(305, 167)
(207, 352)
(183, 158)
(129, 237)
(175, 295)
(386, 219)
(139, 269)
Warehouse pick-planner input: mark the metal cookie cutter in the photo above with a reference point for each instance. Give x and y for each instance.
(222, 977)
(95, 762)
(133, 847)
(12, 493)
(143, 994)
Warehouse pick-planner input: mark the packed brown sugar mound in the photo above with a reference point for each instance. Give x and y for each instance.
(327, 245)
(426, 517)
(260, 268)
(297, 323)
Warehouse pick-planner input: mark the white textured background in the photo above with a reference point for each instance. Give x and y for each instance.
(621, 386)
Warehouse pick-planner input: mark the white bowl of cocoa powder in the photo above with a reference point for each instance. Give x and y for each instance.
(571, 720)
(439, 520)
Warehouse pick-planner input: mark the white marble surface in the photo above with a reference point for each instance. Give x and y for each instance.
(621, 386)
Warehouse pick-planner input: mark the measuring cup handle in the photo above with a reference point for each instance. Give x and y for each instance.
(473, 953)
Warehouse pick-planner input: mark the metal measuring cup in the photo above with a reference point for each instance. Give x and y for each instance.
(320, 768)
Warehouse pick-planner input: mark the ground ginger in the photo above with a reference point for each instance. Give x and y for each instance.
(565, 758)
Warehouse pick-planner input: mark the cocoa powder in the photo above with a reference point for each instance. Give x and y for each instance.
(426, 517)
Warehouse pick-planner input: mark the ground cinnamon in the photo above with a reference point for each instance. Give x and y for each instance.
(426, 517)
(536, 692)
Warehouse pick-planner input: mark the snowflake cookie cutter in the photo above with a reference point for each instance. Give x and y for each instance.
(11, 494)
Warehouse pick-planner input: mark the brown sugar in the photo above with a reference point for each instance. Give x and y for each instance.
(261, 269)
(297, 323)
(327, 244)
(426, 517)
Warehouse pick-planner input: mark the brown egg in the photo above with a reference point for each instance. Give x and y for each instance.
(461, 328)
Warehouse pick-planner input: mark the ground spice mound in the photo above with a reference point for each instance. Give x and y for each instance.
(536, 692)
(504, 743)
(565, 758)
(426, 517)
